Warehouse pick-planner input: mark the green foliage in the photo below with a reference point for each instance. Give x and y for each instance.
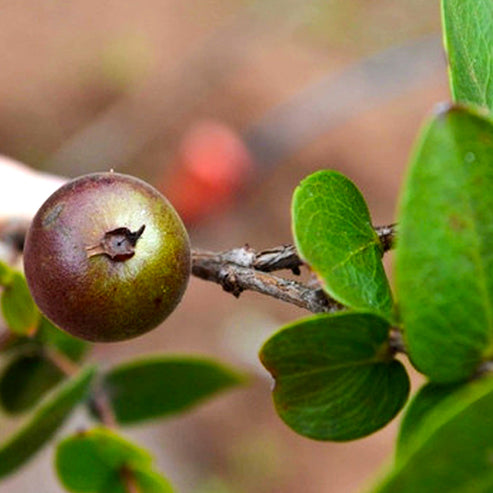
(468, 36)
(444, 256)
(159, 386)
(44, 422)
(100, 461)
(18, 308)
(25, 379)
(334, 235)
(50, 335)
(451, 450)
(144, 389)
(151, 482)
(29, 372)
(428, 397)
(335, 375)
(5, 274)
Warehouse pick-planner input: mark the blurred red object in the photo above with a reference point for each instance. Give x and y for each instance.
(213, 165)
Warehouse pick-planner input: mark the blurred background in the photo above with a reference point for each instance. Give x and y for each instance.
(224, 105)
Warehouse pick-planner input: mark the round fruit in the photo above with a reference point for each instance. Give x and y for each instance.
(107, 258)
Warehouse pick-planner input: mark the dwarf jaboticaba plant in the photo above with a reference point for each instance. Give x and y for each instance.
(338, 376)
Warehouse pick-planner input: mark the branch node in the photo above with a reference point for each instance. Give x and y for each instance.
(229, 281)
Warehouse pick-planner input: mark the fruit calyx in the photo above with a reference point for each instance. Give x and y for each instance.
(118, 244)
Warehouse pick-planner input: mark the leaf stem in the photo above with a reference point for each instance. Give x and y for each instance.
(62, 362)
(100, 402)
(100, 405)
(235, 279)
(6, 338)
(128, 478)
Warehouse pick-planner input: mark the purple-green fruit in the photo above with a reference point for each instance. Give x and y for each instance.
(107, 258)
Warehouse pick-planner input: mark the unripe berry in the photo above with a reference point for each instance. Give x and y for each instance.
(107, 258)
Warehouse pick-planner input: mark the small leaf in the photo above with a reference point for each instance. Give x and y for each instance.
(444, 255)
(99, 460)
(335, 377)
(72, 347)
(25, 380)
(333, 233)
(40, 427)
(427, 398)
(6, 273)
(152, 482)
(468, 33)
(18, 308)
(158, 386)
(451, 451)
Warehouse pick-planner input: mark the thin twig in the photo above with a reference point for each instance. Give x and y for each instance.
(62, 362)
(387, 236)
(277, 258)
(6, 338)
(235, 279)
(396, 341)
(242, 269)
(280, 257)
(99, 401)
(129, 480)
(234, 270)
(101, 406)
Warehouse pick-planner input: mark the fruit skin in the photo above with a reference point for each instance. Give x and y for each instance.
(79, 287)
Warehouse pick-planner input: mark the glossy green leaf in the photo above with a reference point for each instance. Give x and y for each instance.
(427, 398)
(334, 235)
(335, 376)
(444, 255)
(6, 273)
(100, 461)
(72, 347)
(25, 379)
(18, 308)
(44, 422)
(452, 449)
(158, 386)
(468, 34)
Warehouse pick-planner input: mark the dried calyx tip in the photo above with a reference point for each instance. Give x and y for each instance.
(118, 244)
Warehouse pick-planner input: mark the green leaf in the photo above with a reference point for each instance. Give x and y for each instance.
(158, 386)
(40, 427)
(25, 379)
(72, 347)
(452, 449)
(18, 308)
(29, 374)
(468, 36)
(333, 233)
(99, 460)
(335, 376)
(428, 397)
(152, 482)
(444, 255)
(5, 274)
